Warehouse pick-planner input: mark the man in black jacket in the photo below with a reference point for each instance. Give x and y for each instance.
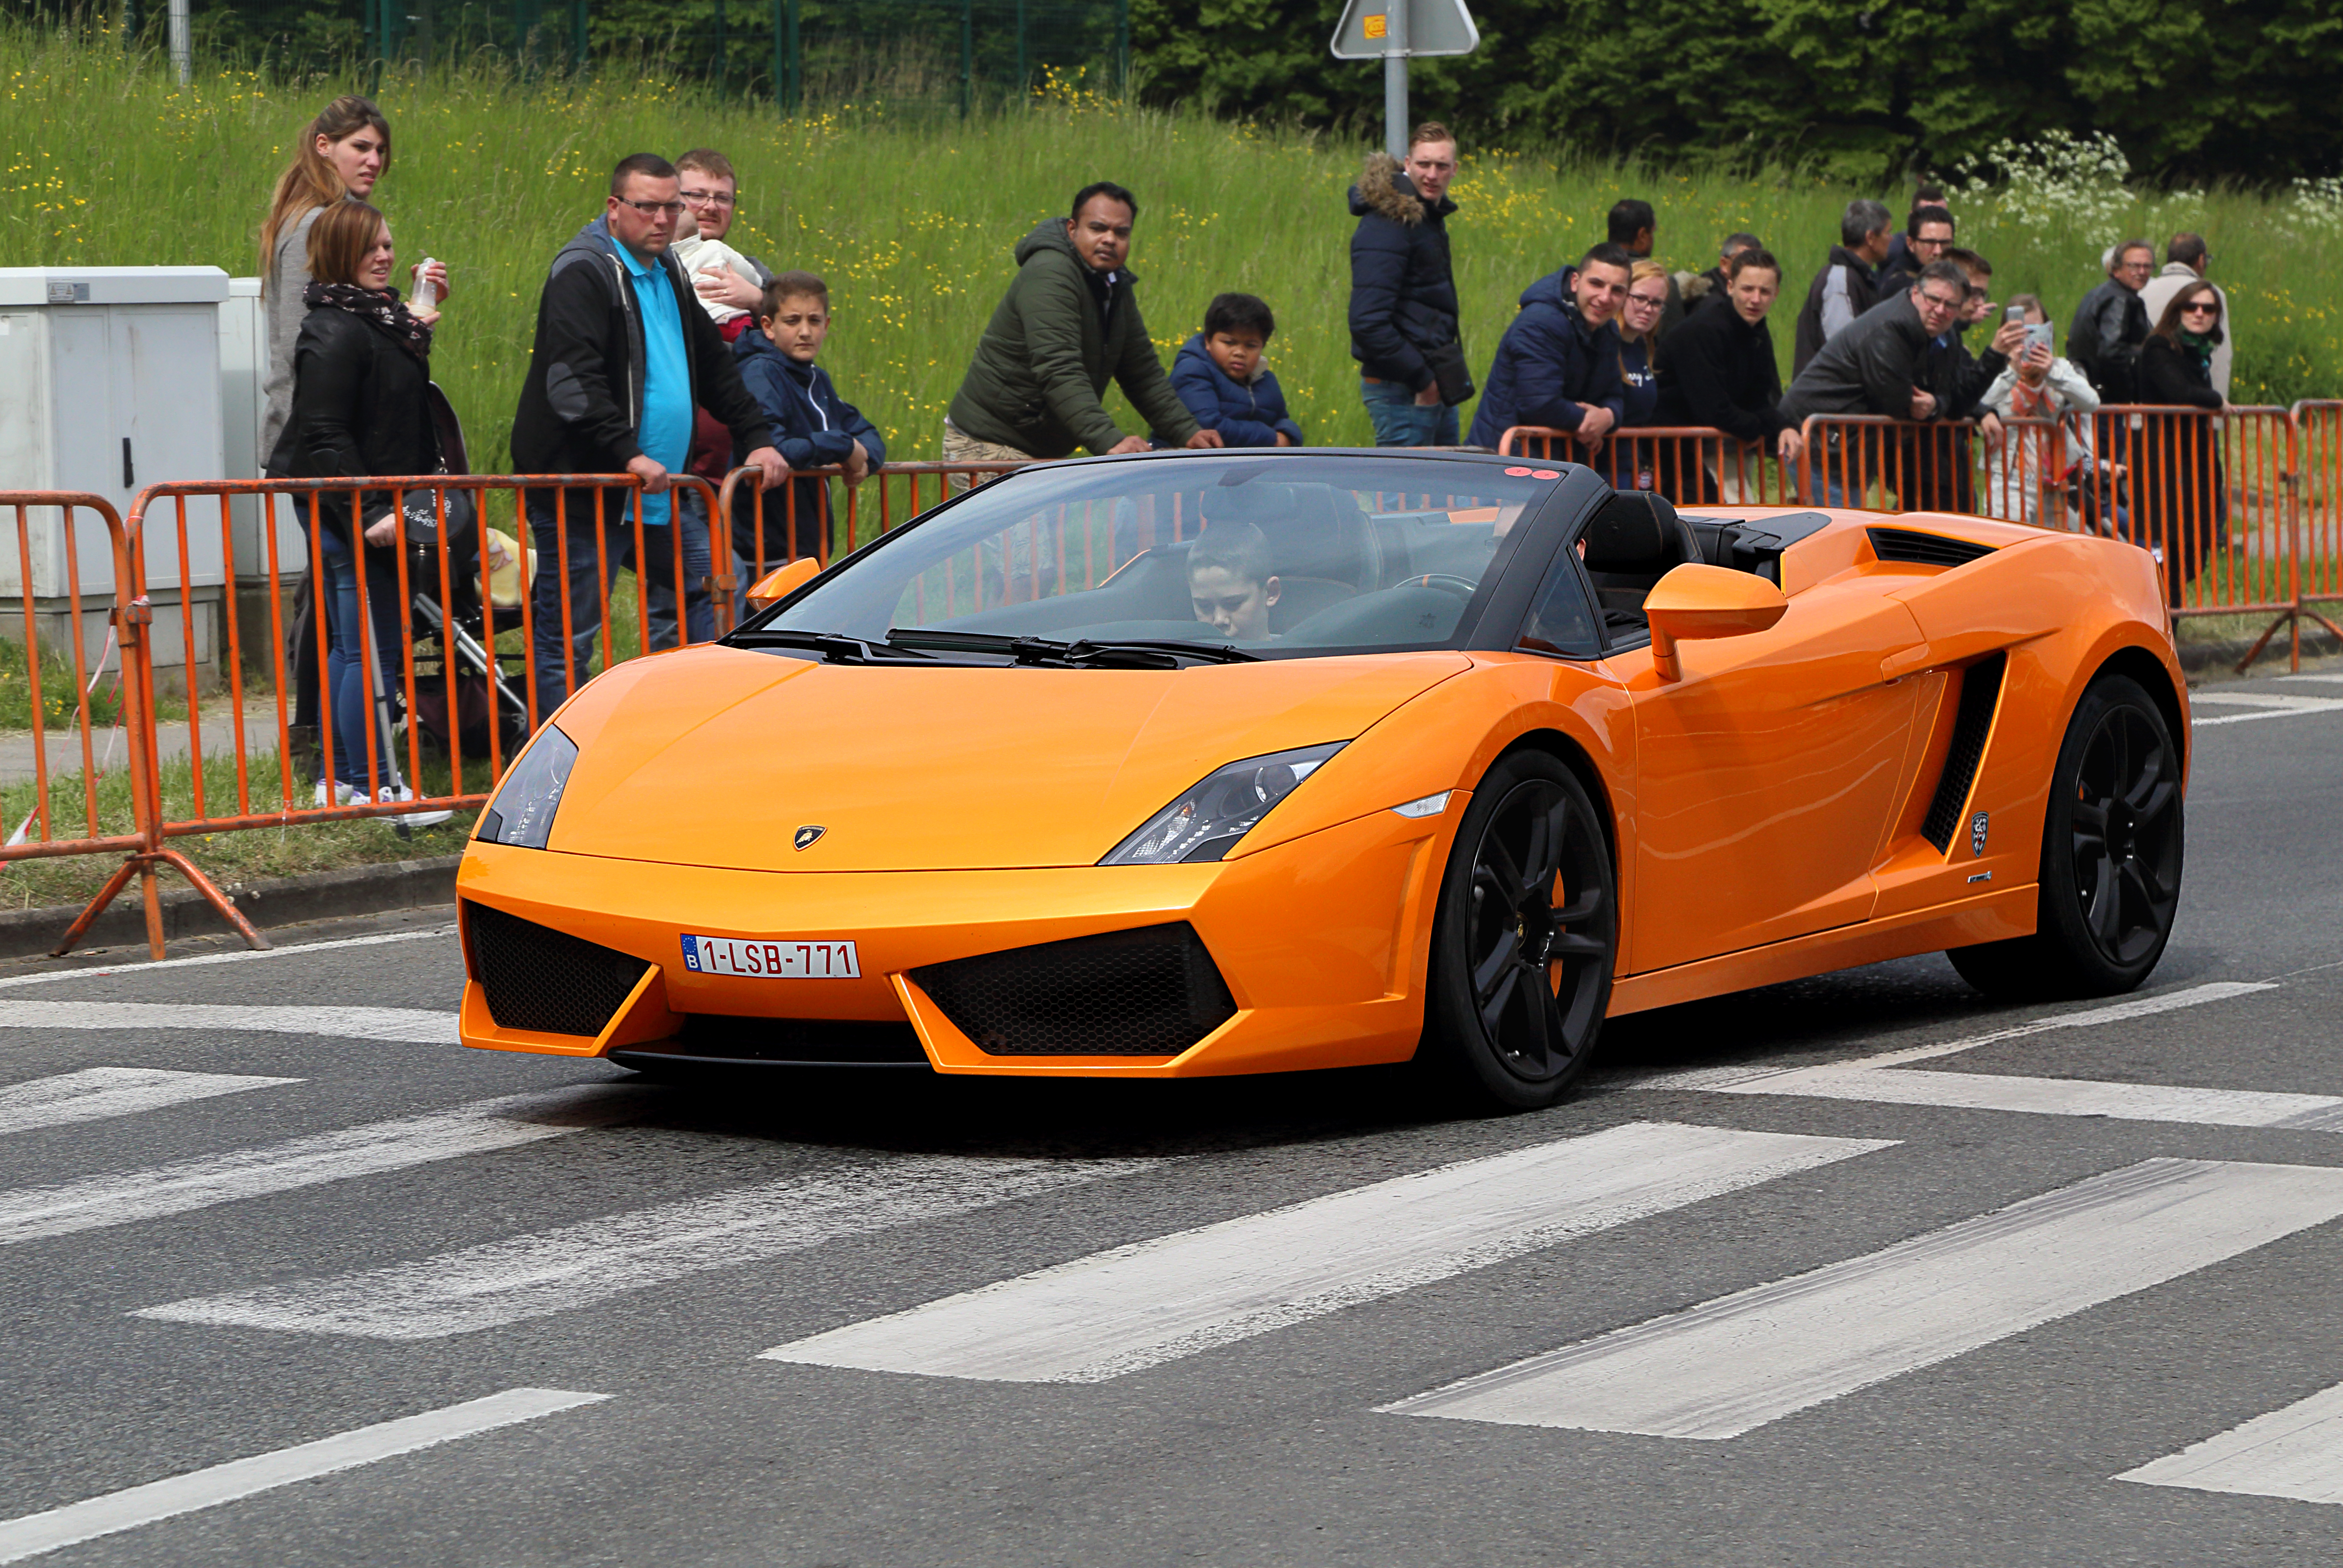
(2112, 323)
(623, 354)
(1848, 284)
(1877, 366)
(1403, 293)
(1719, 371)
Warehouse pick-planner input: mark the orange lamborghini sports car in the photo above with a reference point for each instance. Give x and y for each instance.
(1218, 762)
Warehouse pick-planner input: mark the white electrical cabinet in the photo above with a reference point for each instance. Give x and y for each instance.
(110, 380)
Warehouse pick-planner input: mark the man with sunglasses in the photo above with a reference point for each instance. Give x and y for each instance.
(622, 356)
(1876, 365)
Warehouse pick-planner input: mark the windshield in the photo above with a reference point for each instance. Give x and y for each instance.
(1247, 556)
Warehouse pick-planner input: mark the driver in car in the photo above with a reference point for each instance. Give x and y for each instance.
(1228, 580)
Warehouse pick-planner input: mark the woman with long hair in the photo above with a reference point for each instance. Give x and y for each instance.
(338, 156)
(360, 406)
(1630, 463)
(2177, 480)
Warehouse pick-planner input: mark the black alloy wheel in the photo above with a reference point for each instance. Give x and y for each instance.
(1526, 936)
(2111, 858)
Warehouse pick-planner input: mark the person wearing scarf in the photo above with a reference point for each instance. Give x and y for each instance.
(361, 407)
(2182, 500)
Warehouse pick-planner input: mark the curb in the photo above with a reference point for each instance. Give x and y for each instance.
(270, 902)
(2200, 657)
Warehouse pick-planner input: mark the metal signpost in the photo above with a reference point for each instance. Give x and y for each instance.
(1391, 31)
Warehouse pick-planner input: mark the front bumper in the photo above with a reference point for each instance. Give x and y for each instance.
(1322, 941)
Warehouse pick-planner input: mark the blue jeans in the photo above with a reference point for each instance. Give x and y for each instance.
(584, 577)
(1401, 421)
(698, 609)
(349, 702)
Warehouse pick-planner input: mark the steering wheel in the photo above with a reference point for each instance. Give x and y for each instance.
(1449, 582)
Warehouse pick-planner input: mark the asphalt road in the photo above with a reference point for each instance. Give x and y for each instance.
(1978, 1308)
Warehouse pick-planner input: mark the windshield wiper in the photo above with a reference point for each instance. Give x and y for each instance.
(1109, 653)
(835, 648)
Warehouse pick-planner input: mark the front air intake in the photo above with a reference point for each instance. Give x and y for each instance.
(1980, 694)
(1154, 991)
(543, 980)
(1909, 547)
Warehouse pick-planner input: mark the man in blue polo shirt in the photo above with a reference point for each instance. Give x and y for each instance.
(622, 356)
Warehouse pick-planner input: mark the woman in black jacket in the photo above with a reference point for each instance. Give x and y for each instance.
(2178, 489)
(1720, 370)
(361, 407)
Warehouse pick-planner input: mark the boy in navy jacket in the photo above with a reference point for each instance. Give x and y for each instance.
(1220, 377)
(813, 426)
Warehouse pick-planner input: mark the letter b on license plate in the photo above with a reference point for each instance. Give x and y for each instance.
(770, 961)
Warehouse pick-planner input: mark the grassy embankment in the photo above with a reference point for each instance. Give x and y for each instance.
(912, 222)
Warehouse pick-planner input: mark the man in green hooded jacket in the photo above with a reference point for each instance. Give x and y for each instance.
(1067, 326)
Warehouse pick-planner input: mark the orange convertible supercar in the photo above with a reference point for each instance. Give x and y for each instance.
(1194, 763)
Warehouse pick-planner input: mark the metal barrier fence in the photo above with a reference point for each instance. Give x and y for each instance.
(1690, 465)
(806, 516)
(2318, 454)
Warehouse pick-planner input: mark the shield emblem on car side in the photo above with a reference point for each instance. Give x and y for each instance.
(1977, 834)
(807, 835)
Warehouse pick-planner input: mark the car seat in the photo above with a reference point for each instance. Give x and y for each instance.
(1321, 548)
(1634, 540)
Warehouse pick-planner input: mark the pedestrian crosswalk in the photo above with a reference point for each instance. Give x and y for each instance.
(1771, 1344)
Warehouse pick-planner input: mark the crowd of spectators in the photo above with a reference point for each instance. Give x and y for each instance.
(661, 350)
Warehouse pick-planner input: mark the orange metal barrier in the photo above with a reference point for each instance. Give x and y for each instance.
(1693, 465)
(100, 727)
(2319, 502)
(2211, 496)
(809, 515)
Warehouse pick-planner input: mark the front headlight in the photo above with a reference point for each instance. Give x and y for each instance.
(522, 812)
(1205, 823)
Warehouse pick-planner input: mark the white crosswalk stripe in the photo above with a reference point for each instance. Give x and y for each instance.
(49, 1531)
(1740, 1361)
(96, 1093)
(2263, 706)
(118, 1197)
(418, 1026)
(2053, 1097)
(1138, 1306)
(577, 1266)
(2297, 1452)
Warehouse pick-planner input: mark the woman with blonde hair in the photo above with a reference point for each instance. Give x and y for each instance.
(339, 154)
(1630, 463)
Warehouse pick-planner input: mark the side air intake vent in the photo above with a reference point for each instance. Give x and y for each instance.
(1154, 991)
(1980, 694)
(545, 981)
(1910, 547)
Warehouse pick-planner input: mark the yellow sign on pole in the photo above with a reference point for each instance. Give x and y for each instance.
(1378, 25)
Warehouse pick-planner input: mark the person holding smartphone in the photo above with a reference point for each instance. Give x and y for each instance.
(2048, 403)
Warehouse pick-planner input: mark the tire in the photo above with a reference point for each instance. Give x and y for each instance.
(2112, 847)
(1520, 982)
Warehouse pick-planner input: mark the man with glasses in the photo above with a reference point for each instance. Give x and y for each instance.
(618, 365)
(2185, 263)
(2112, 323)
(1928, 234)
(1876, 365)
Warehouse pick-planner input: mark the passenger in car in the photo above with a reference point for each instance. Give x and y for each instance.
(1229, 582)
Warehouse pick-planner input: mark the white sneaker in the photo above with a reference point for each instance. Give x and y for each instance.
(412, 819)
(342, 794)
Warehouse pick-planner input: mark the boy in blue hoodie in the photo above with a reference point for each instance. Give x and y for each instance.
(1220, 377)
(813, 426)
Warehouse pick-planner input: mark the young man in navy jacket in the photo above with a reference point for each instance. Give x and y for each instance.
(1220, 376)
(813, 426)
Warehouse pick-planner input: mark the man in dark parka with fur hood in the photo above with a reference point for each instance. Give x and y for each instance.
(1403, 305)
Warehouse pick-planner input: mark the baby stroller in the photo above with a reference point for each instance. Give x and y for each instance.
(444, 636)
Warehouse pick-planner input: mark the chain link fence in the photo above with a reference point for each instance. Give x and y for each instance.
(928, 56)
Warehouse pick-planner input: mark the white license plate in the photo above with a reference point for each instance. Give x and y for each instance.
(770, 961)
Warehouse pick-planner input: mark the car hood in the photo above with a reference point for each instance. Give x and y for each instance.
(718, 756)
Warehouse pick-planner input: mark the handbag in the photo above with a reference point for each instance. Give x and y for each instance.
(1449, 372)
(421, 511)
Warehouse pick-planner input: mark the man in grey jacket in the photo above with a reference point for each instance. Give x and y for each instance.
(1875, 366)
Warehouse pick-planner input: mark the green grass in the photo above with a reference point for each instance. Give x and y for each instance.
(913, 222)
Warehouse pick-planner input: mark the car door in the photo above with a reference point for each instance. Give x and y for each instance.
(1767, 776)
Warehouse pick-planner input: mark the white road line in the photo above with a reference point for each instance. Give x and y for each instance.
(1137, 1306)
(419, 1026)
(127, 1509)
(2055, 1097)
(2085, 1018)
(577, 1266)
(118, 1197)
(96, 1093)
(2297, 1452)
(239, 956)
(2336, 679)
(2264, 706)
(1737, 1362)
